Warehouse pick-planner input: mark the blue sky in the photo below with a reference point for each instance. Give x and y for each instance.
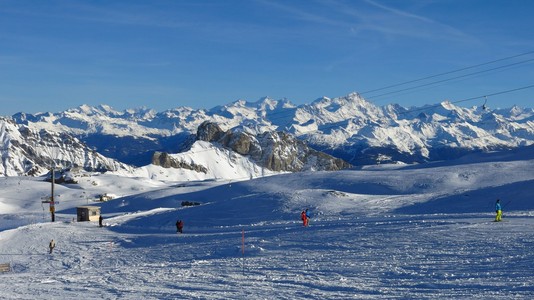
(163, 54)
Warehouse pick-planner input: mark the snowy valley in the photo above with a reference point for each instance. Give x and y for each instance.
(239, 176)
(376, 232)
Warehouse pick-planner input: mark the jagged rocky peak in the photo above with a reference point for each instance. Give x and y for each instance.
(104, 110)
(140, 113)
(89, 110)
(274, 150)
(209, 131)
(352, 98)
(267, 103)
(277, 151)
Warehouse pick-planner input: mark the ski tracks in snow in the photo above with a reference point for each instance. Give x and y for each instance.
(391, 256)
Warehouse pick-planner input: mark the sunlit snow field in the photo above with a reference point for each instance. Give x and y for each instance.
(420, 232)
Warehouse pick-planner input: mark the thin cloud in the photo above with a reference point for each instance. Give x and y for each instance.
(399, 12)
(302, 15)
(138, 15)
(356, 18)
(452, 31)
(127, 15)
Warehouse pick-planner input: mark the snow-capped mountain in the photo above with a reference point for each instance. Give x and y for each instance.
(27, 151)
(275, 151)
(349, 128)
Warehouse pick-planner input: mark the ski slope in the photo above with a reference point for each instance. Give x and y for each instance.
(382, 232)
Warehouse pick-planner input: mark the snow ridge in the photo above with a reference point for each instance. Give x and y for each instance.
(349, 127)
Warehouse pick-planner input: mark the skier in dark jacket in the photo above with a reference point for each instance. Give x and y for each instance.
(179, 226)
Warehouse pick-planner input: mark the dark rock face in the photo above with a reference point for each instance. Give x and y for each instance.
(277, 151)
(209, 131)
(165, 160)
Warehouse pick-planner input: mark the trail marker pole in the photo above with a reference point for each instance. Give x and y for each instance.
(243, 249)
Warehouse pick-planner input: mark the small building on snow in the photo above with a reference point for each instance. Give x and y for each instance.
(88, 213)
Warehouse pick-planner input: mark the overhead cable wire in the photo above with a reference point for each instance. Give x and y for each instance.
(428, 85)
(446, 73)
(270, 117)
(470, 99)
(480, 136)
(449, 79)
(325, 127)
(273, 115)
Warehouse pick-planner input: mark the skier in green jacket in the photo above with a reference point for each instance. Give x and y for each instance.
(498, 210)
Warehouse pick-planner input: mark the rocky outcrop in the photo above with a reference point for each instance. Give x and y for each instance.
(166, 161)
(276, 151)
(209, 131)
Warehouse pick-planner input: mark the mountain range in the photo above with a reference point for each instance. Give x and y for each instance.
(341, 131)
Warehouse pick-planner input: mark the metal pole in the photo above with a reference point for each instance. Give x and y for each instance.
(52, 204)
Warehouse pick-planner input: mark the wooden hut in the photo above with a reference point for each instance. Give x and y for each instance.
(88, 213)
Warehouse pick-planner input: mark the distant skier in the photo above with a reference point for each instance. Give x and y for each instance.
(100, 219)
(305, 217)
(179, 226)
(498, 210)
(52, 245)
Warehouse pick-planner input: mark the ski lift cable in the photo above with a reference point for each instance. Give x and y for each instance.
(427, 107)
(420, 109)
(438, 105)
(470, 99)
(452, 78)
(417, 89)
(497, 93)
(273, 116)
(447, 73)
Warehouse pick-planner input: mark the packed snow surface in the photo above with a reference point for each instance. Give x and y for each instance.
(382, 232)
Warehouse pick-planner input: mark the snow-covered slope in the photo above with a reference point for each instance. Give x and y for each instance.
(203, 161)
(348, 127)
(276, 151)
(30, 152)
(422, 232)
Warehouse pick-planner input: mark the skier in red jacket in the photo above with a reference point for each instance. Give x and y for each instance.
(304, 217)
